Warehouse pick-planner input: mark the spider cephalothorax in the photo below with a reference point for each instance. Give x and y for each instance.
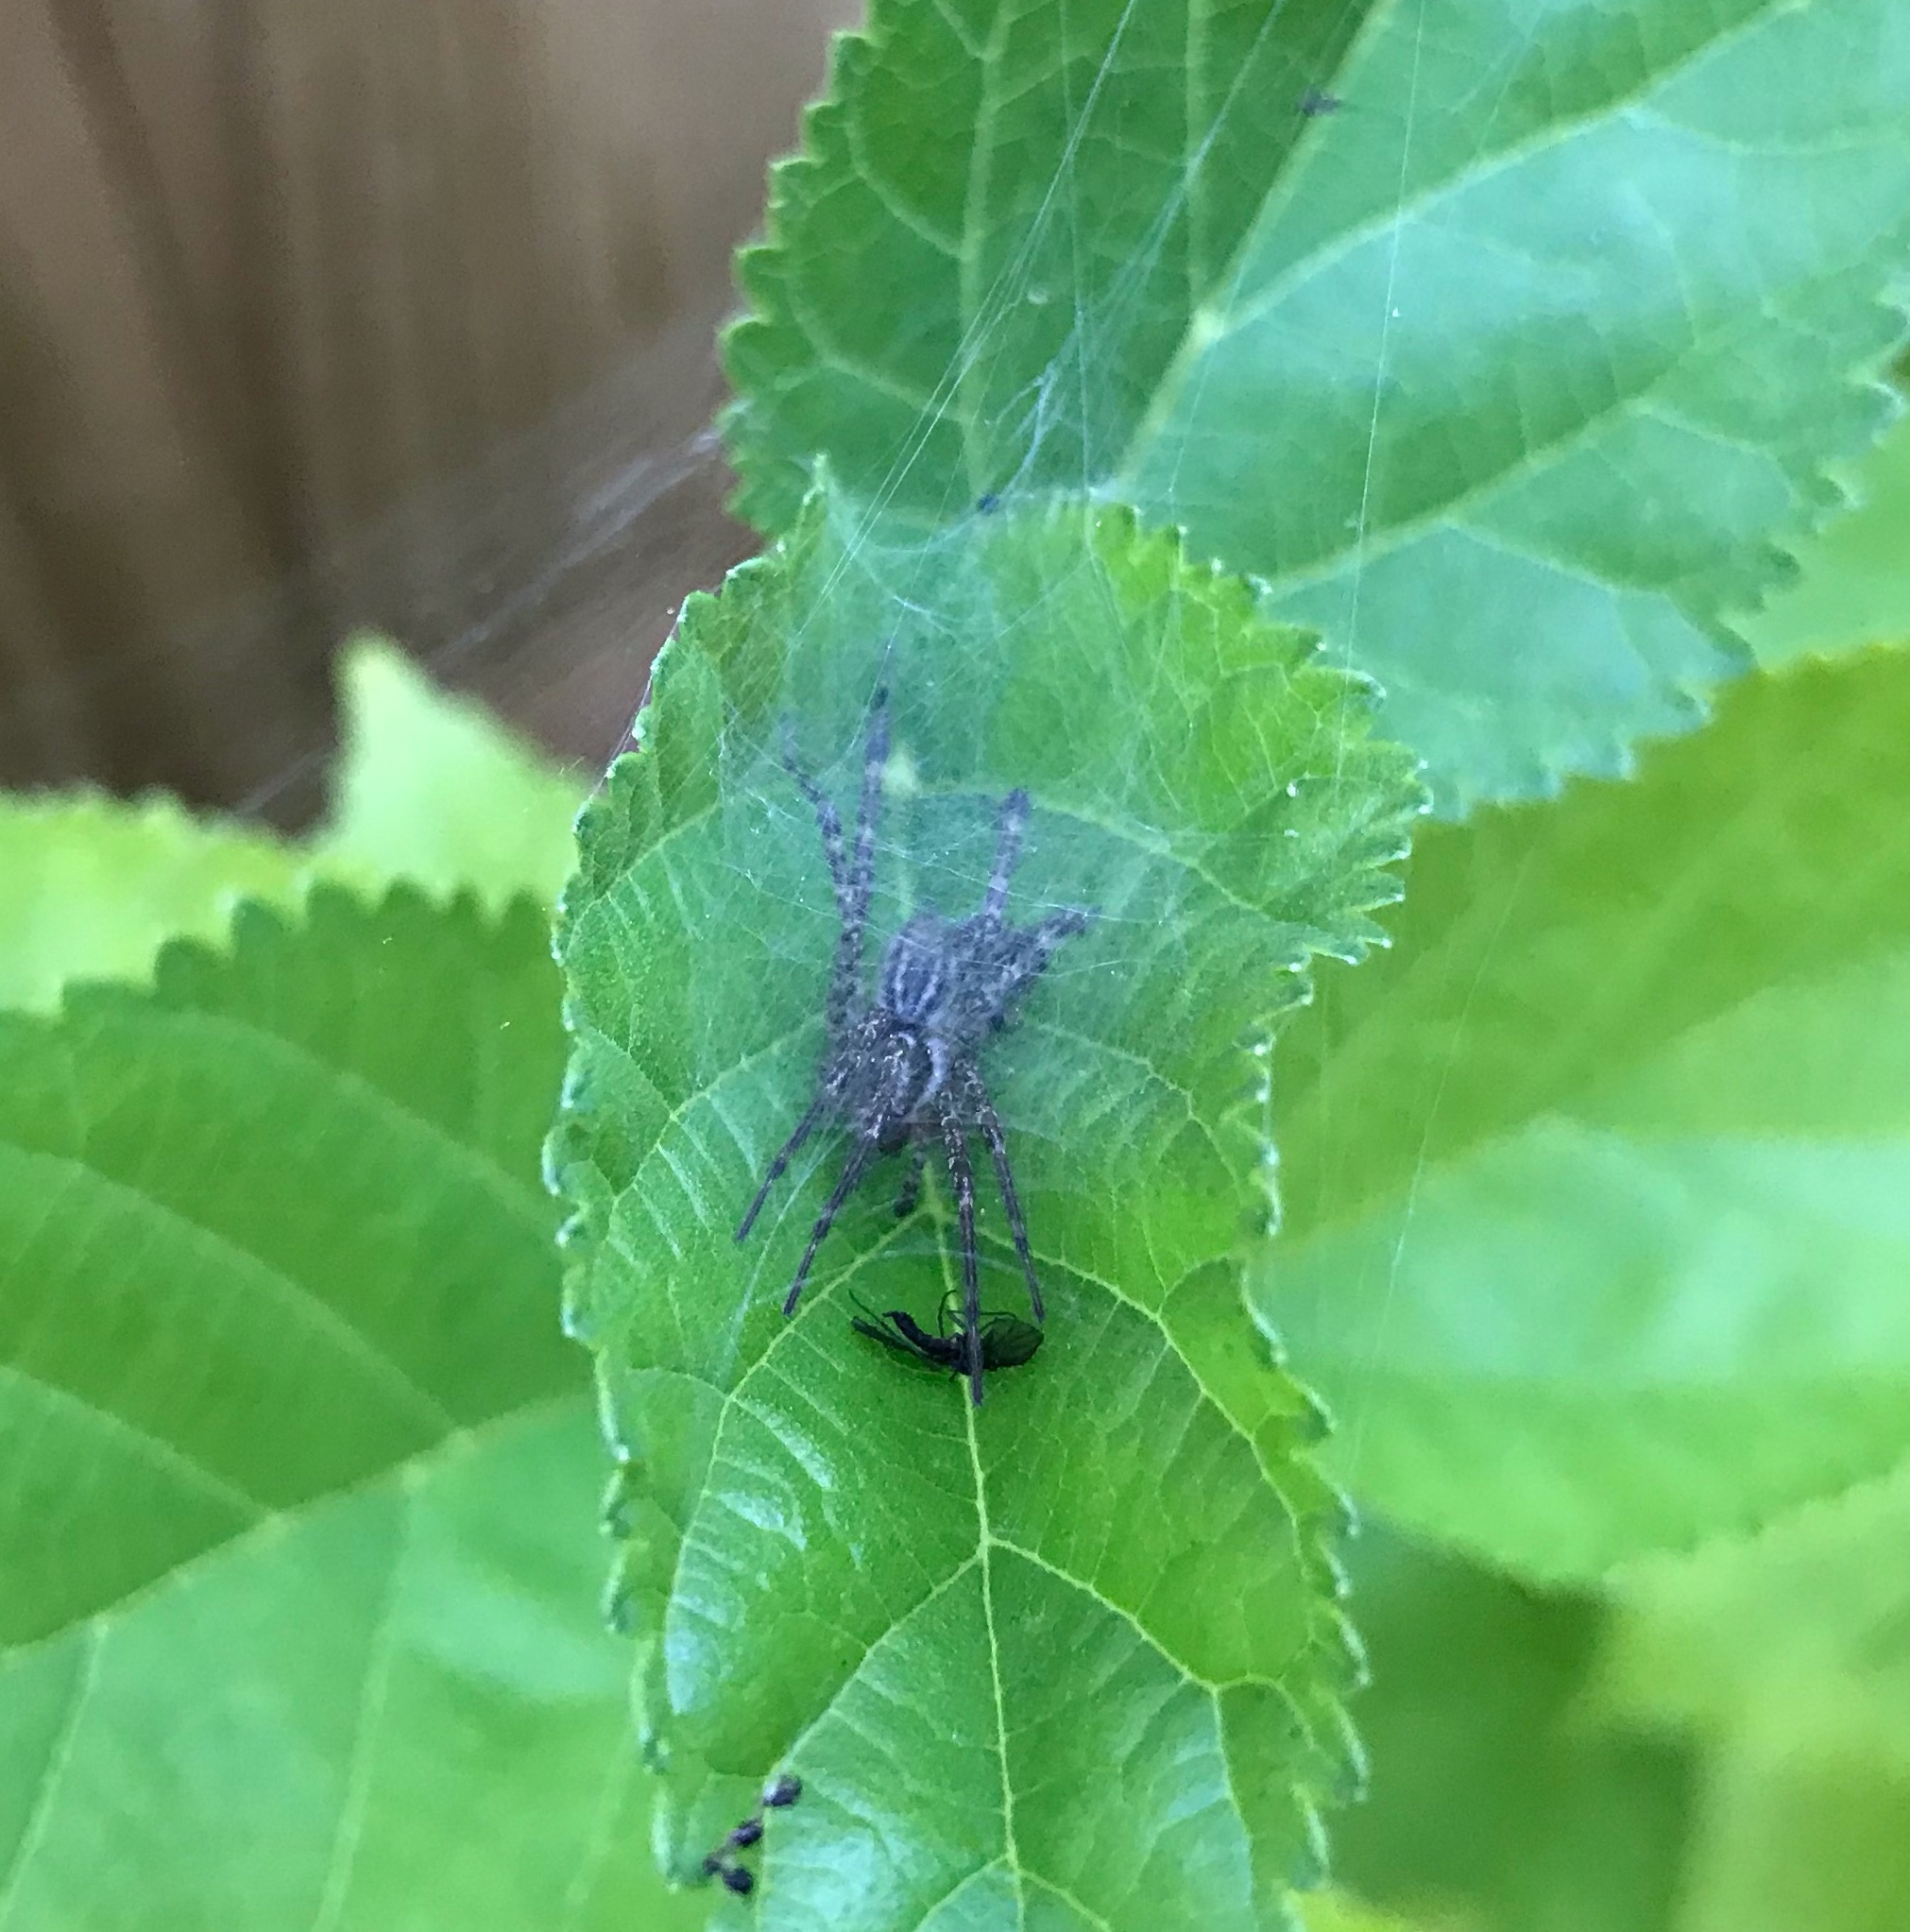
(900, 1069)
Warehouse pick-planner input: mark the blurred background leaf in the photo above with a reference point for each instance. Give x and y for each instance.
(1502, 1798)
(1598, 1183)
(1853, 582)
(431, 788)
(93, 886)
(301, 1619)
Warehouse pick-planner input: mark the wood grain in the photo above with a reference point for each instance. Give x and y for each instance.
(393, 312)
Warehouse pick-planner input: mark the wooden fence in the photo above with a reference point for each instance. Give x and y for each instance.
(316, 312)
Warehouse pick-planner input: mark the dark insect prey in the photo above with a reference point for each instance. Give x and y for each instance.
(783, 1790)
(1006, 1342)
(1315, 102)
(899, 1070)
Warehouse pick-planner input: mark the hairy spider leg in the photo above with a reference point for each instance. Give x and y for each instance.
(853, 1169)
(956, 1138)
(985, 1118)
(1032, 948)
(780, 1166)
(845, 971)
(1013, 822)
(827, 817)
(852, 880)
(862, 876)
(912, 1182)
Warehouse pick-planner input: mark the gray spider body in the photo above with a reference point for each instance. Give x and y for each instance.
(901, 1071)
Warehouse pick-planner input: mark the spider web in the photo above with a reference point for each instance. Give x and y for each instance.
(894, 565)
(1052, 419)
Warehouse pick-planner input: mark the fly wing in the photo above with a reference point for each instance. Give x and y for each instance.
(1006, 1342)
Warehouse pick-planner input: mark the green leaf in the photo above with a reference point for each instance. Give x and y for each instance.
(1788, 1653)
(1854, 583)
(1797, 1839)
(1073, 1655)
(93, 887)
(298, 1627)
(431, 788)
(1595, 1233)
(1497, 1798)
(1798, 1634)
(1506, 373)
(1336, 1911)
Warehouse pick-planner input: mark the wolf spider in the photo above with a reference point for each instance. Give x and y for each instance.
(900, 1069)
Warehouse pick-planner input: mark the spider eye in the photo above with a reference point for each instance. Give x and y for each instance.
(893, 1134)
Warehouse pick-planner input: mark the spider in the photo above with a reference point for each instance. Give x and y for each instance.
(1006, 1342)
(900, 1069)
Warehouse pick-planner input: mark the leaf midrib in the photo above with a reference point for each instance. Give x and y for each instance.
(735, 1399)
(355, 1343)
(164, 1456)
(422, 1466)
(1204, 329)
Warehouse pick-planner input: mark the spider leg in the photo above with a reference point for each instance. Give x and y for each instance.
(853, 1171)
(852, 879)
(1013, 821)
(868, 815)
(990, 1123)
(911, 1181)
(1047, 933)
(848, 967)
(955, 1139)
(1026, 951)
(827, 817)
(780, 1166)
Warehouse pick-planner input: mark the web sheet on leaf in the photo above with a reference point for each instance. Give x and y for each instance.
(1137, 1126)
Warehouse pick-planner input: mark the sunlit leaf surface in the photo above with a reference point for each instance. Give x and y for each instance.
(1599, 1184)
(1500, 339)
(431, 788)
(93, 886)
(300, 1620)
(1072, 1658)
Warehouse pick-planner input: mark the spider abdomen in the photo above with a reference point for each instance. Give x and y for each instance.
(885, 1073)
